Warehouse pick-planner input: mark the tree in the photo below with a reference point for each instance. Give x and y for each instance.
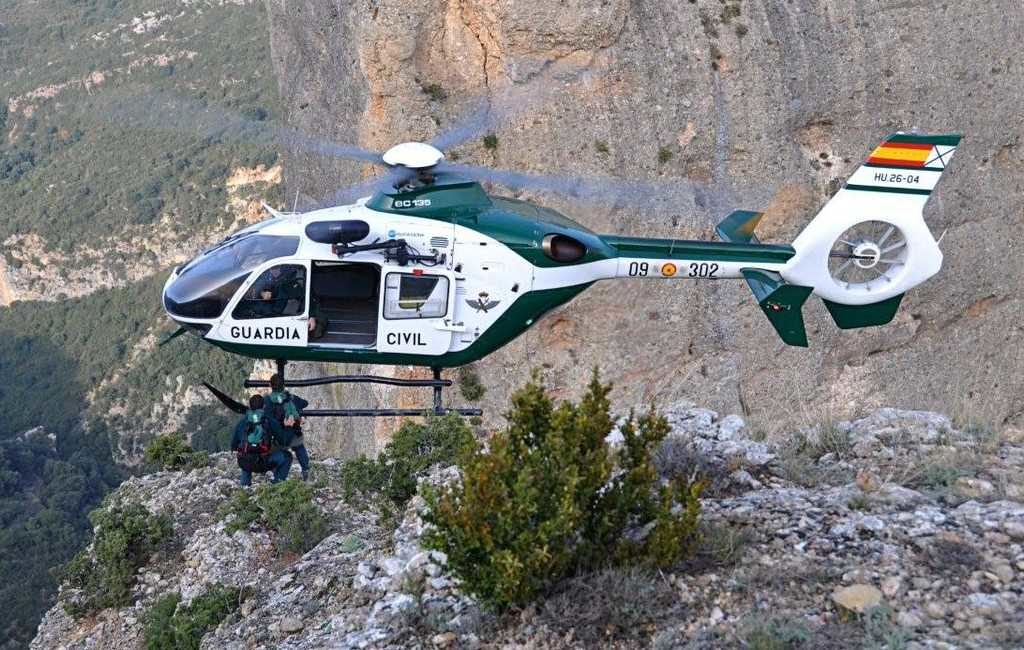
(549, 498)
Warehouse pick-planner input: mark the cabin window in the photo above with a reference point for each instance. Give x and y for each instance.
(278, 291)
(415, 296)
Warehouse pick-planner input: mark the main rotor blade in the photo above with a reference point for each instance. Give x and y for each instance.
(164, 111)
(591, 189)
(345, 195)
(479, 120)
(486, 114)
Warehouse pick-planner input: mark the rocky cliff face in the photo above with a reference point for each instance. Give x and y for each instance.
(898, 515)
(771, 104)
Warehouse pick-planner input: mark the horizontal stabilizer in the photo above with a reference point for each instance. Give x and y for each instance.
(782, 303)
(850, 317)
(739, 227)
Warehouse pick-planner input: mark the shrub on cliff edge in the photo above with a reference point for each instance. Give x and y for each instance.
(171, 626)
(287, 508)
(413, 450)
(171, 452)
(103, 575)
(549, 498)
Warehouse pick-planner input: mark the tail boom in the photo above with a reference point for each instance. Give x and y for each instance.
(676, 258)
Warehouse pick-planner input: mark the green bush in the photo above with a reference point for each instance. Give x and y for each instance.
(286, 508)
(435, 91)
(172, 452)
(170, 627)
(549, 499)
(242, 510)
(470, 385)
(125, 538)
(413, 450)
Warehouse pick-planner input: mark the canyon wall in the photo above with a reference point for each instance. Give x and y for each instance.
(768, 106)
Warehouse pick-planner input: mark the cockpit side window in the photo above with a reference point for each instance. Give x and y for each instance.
(278, 291)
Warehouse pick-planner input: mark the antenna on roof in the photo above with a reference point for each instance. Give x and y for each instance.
(295, 206)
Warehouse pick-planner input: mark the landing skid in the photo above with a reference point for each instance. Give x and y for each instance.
(436, 383)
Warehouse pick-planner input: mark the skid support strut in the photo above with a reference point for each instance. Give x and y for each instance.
(437, 384)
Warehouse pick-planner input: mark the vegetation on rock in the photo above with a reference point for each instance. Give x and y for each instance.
(103, 576)
(172, 452)
(83, 141)
(287, 508)
(390, 480)
(470, 385)
(54, 357)
(172, 626)
(44, 490)
(549, 498)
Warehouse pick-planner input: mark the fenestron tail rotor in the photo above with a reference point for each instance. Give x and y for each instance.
(868, 256)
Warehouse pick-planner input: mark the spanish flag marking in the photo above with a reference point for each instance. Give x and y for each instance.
(901, 154)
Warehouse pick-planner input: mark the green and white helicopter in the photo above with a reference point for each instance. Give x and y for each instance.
(430, 270)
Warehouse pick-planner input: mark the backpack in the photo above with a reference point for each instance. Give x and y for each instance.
(284, 408)
(255, 449)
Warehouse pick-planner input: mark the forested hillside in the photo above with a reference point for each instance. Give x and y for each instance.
(117, 149)
(116, 162)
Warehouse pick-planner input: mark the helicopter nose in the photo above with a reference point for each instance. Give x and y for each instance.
(195, 295)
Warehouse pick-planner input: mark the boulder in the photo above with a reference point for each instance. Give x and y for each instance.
(858, 598)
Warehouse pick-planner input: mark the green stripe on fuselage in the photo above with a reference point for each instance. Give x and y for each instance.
(684, 249)
(519, 317)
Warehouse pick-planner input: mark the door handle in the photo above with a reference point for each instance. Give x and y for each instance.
(448, 326)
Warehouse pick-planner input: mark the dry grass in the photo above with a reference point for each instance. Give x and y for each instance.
(677, 456)
(721, 545)
(800, 458)
(611, 605)
(951, 557)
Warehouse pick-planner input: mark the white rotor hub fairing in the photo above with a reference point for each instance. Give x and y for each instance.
(867, 255)
(413, 155)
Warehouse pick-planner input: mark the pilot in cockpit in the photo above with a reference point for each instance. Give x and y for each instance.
(280, 291)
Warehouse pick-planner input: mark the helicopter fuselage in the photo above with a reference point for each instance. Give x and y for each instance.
(438, 276)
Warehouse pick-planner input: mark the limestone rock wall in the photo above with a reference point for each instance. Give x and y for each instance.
(771, 104)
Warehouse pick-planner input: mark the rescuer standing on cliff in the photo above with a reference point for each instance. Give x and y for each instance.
(286, 409)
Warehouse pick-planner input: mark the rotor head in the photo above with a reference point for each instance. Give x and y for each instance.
(412, 155)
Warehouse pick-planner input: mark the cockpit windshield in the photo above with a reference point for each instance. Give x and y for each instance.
(205, 285)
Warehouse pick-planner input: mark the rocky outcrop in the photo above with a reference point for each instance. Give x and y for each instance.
(770, 105)
(861, 517)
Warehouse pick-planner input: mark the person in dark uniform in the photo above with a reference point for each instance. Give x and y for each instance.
(286, 288)
(286, 409)
(261, 444)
